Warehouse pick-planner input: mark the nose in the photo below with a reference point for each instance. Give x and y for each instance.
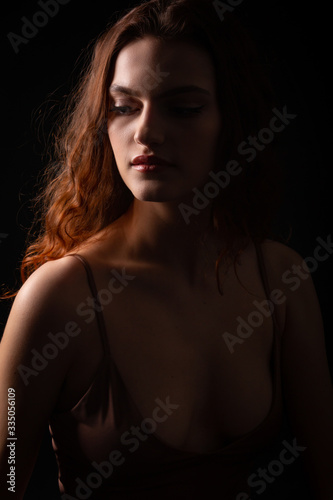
(150, 128)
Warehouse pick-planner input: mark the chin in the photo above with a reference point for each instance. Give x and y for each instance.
(154, 197)
(156, 194)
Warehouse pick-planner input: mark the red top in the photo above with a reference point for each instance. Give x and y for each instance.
(106, 450)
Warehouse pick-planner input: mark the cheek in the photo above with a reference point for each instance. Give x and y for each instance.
(203, 140)
(117, 138)
(212, 127)
(211, 138)
(205, 147)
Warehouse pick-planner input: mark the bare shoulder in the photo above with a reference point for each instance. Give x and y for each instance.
(46, 301)
(37, 350)
(286, 268)
(286, 273)
(280, 261)
(305, 371)
(42, 316)
(55, 283)
(279, 255)
(293, 270)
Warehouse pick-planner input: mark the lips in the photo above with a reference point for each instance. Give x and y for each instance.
(149, 162)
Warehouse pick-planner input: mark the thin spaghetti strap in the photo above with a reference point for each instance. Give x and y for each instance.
(98, 309)
(263, 274)
(117, 385)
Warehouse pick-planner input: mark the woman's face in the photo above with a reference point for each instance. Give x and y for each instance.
(163, 103)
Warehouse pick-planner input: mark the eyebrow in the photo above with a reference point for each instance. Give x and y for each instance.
(177, 90)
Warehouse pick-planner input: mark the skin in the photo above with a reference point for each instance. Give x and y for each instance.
(166, 126)
(170, 345)
(181, 126)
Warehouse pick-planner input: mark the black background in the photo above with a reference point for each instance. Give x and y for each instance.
(295, 38)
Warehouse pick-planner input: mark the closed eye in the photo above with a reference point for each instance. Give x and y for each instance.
(180, 110)
(187, 110)
(121, 110)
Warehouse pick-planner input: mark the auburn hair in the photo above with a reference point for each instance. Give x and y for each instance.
(82, 191)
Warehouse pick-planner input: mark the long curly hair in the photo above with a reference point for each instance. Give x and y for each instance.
(82, 189)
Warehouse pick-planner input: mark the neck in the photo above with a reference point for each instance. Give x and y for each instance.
(157, 233)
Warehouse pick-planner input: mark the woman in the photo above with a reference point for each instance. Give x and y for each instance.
(152, 255)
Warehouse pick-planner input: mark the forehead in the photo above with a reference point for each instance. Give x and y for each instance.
(165, 63)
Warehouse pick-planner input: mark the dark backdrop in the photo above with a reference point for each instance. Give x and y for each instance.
(295, 41)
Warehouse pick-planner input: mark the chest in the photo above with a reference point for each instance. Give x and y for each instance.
(202, 351)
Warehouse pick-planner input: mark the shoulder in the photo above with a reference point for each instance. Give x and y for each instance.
(47, 302)
(57, 281)
(38, 348)
(294, 268)
(304, 365)
(43, 315)
(290, 274)
(279, 260)
(291, 269)
(285, 267)
(280, 255)
(288, 266)
(289, 281)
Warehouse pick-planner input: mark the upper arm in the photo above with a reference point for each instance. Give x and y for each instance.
(307, 385)
(33, 371)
